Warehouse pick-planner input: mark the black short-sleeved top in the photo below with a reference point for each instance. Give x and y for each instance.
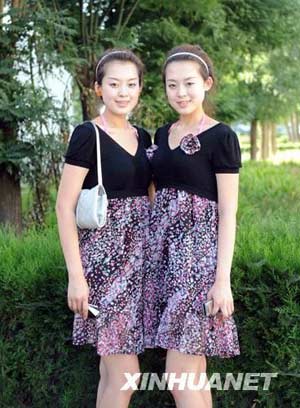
(123, 174)
(196, 173)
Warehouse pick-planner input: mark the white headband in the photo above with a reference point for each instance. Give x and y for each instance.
(191, 55)
(107, 55)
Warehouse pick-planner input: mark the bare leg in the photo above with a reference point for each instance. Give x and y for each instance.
(102, 383)
(116, 366)
(179, 363)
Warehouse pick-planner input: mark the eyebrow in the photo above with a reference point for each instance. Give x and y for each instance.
(185, 79)
(118, 79)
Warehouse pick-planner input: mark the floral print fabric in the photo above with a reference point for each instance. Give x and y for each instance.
(180, 270)
(113, 259)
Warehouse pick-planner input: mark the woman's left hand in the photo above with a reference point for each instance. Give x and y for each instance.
(222, 298)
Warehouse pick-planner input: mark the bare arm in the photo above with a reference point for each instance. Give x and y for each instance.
(68, 193)
(227, 208)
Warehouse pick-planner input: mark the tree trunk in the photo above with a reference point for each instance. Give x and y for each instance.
(87, 94)
(253, 140)
(297, 126)
(10, 188)
(294, 130)
(88, 104)
(265, 141)
(288, 131)
(1, 9)
(10, 203)
(273, 138)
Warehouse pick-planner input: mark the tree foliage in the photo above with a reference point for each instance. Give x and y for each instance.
(254, 46)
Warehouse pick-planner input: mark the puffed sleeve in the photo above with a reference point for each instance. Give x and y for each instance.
(227, 153)
(82, 147)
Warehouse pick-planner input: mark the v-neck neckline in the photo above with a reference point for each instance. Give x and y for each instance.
(197, 135)
(119, 145)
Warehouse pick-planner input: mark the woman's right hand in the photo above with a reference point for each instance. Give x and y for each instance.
(78, 294)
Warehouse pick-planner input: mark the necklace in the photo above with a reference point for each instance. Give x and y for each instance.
(106, 126)
(199, 129)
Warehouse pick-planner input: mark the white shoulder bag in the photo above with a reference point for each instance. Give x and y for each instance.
(92, 203)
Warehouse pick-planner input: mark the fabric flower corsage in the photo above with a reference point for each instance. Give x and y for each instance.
(190, 144)
(150, 151)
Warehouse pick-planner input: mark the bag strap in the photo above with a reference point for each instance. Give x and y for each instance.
(99, 167)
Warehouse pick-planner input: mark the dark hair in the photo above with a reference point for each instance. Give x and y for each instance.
(198, 51)
(118, 54)
(192, 49)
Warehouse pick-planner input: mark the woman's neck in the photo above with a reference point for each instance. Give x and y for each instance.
(114, 121)
(191, 119)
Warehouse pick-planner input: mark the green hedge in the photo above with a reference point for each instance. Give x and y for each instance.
(40, 367)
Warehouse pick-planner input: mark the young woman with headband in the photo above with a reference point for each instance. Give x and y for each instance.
(195, 163)
(105, 265)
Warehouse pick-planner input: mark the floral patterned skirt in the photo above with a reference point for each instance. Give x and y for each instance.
(113, 263)
(180, 270)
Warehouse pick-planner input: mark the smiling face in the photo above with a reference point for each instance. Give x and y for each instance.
(120, 87)
(185, 86)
